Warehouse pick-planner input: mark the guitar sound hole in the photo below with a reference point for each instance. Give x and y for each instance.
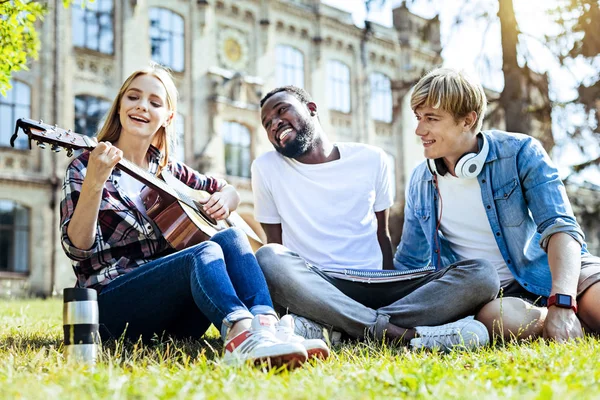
(211, 220)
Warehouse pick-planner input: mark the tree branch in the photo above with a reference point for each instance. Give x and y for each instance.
(582, 166)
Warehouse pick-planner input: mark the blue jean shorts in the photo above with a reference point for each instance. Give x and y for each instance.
(589, 275)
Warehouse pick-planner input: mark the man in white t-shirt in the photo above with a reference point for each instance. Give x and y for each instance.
(328, 205)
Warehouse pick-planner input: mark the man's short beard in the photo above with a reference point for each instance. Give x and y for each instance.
(302, 143)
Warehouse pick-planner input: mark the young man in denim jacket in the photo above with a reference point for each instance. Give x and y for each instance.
(497, 195)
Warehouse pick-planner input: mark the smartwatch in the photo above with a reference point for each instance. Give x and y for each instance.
(562, 301)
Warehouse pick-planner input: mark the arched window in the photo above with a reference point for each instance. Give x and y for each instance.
(167, 38)
(14, 237)
(289, 66)
(92, 25)
(236, 138)
(89, 112)
(381, 97)
(16, 104)
(338, 86)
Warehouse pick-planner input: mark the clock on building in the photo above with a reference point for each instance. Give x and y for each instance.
(233, 50)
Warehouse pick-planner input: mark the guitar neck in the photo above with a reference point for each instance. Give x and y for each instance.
(141, 175)
(58, 138)
(148, 179)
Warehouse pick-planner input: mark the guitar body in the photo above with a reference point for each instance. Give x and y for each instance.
(179, 230)
(181, 225)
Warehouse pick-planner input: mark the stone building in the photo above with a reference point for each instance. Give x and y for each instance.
(224, 55)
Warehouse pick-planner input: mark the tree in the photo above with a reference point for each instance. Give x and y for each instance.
(578, 41)
(19, 41)
(18, 37)
(525, 98)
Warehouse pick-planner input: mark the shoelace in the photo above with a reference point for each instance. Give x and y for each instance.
(443, 338)
(447, 332)
(312, 330)
(285, 330)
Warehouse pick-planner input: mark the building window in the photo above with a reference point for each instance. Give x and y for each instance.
(381, 97)
(236, 138)
(179, 141)
(391, 162)
(166, 38)
(89, 113)
(93, 25)
(16, 104)
(338, 86)
(14, 237)
(289, 66)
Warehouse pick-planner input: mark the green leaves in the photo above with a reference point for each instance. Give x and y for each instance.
(19, 40)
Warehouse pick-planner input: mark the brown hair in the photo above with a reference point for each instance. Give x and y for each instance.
(111, 129)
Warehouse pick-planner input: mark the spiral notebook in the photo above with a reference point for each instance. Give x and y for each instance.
(377, 275)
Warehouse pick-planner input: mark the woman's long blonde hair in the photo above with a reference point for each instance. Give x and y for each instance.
(111, 129)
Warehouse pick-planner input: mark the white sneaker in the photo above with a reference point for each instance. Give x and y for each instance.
(466, 333)
(284, 331)
(309, 329)
(259, 344)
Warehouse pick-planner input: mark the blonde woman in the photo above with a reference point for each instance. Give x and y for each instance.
(144, 288)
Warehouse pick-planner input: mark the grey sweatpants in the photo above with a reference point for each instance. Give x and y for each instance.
(366, 309)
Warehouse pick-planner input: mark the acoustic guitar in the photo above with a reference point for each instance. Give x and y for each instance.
(172, 205)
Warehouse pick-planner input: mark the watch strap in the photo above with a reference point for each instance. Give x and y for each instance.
(558, 300)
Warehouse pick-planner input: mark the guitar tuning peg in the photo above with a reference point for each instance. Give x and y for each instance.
(55, 148)
(41, 145)
(54, 127)
(41, 121)
(68, 132)
(69, 152)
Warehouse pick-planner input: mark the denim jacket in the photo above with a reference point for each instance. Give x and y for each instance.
(525, 202)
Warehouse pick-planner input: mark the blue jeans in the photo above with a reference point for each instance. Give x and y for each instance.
(216, 281)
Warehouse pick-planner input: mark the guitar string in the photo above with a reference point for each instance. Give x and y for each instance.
(164, 186)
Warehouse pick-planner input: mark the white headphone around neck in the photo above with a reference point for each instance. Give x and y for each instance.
(469, 165)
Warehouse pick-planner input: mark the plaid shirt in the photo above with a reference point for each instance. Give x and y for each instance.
(125, 239)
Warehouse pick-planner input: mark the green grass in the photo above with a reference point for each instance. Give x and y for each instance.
(32, 367)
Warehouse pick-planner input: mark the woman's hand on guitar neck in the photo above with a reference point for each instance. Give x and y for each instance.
(220, 204)
(102, 161)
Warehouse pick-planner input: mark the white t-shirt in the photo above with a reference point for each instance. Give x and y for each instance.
(133, 188)
(465, 224)
(326, 211)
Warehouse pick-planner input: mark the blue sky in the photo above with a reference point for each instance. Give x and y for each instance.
(474, 46)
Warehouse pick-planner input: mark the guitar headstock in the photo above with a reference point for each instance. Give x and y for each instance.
(56, 137)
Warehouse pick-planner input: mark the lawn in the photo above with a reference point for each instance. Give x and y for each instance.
(32, 367)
